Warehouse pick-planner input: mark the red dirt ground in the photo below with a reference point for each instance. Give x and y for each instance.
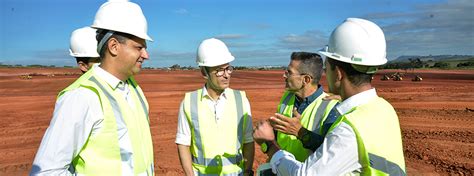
(436, 115)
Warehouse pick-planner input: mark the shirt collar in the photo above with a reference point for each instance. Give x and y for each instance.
(313, 96)
(205, 94)
(356, 100)
(110, 79)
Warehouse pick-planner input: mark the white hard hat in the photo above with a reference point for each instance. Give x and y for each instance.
(213, 52)
(358, 42)
(122, 16)
(83, 43)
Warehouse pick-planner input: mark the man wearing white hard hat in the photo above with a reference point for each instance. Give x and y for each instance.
(100, 124)
(365, 139)
(214, 134)
(83, 46)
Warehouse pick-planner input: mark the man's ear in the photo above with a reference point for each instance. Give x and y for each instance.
(339, 73)
(113, 46)
(83, 66)
(204, 73)
(307, 79)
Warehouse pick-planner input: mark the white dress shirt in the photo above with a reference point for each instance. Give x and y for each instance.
(77, 114)
(336, 156)
(183, 134)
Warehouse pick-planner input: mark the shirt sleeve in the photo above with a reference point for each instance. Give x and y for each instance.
(76, 115)
(183, 133)
(248, 137)
(336, 156)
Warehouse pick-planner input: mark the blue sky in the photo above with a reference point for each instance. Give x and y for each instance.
(258, 32)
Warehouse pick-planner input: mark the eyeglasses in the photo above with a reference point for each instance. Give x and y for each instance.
(221, 71)
(287, 74)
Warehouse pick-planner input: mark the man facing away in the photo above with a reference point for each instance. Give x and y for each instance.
(366, 137)
(100, 124)
(214, 134)
(83, 46)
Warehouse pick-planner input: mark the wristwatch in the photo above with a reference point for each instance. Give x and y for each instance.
(306, 137)
(265, 146)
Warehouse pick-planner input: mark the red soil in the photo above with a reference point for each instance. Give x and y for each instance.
(436, 115)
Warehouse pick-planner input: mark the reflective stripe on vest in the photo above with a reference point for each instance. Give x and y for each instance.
(220, 160)
(318, 117)
(285, 102)
(382, 164)
(115, 108)
(145, 109)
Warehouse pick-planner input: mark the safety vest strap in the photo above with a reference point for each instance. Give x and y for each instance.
(218, 160)
(319, 116)
(142, 101)
(240, 119)
(223, 161)
(285, 102)
(195, 121)
(382, 164)
(115, 108)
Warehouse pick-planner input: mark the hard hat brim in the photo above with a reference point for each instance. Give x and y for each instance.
(142, 36)
(82, 55)
(228, 60)
(349, 60)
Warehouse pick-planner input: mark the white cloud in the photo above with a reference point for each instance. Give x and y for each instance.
(310, 40)
(440, 28)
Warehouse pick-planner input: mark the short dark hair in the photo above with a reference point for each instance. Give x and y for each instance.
(85, 60)
(204, 70)
(311, 64)
(120, 36)
(355, 77)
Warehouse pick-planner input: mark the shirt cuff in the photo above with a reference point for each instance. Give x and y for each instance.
(183, 139)
(275, 161)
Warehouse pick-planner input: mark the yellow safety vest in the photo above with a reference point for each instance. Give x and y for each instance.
(101, 155)
(379, 140)
(216, 149)
(312, 119)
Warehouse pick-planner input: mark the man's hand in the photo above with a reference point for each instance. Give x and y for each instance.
(263, 132)
(287, 125)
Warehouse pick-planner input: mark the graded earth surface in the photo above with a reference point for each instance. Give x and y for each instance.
(436, 115)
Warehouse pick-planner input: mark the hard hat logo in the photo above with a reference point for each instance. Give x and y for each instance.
(213, 52)
(357, 41)
(122, 16)
(356, 59)
(83, 43)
